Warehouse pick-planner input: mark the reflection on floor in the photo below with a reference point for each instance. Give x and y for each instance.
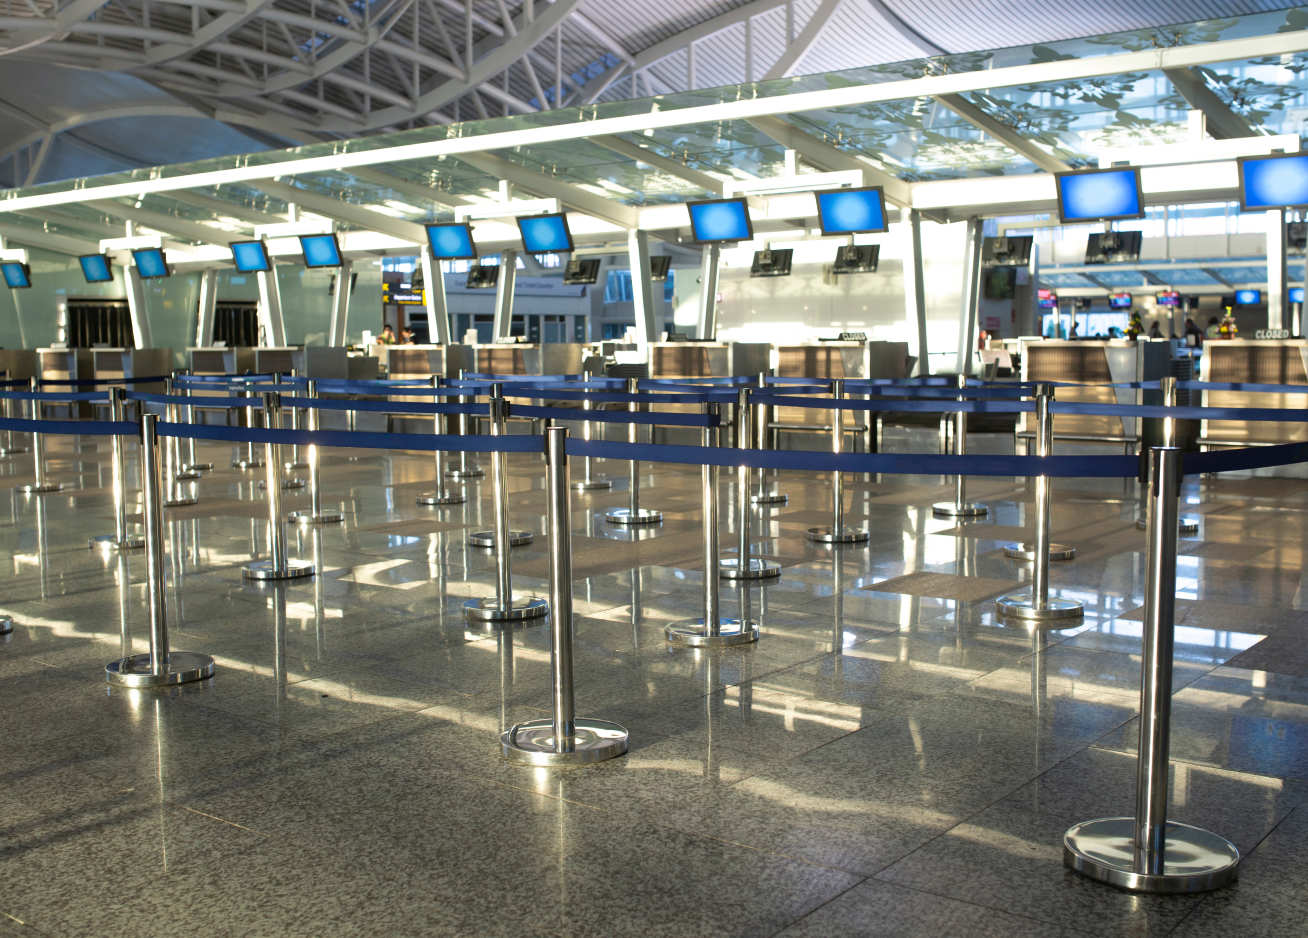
(887, 760)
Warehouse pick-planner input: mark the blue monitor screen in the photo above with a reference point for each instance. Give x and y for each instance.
(1273, 181)
(1119, 300)
(16, 275)
(151, 263)
(720, 220)
(1099, 195)
(451, 242)
(1248, 297)
(1296, 294)
(848, 211)
(95, 268)
(320, 250)
(250, 256)
(545, 234)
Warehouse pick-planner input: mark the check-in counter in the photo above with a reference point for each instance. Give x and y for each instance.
(708, 359)
(18, 363)
(529, 358)
(66, 364)
(220, 360)
(109, 364)
(313, 361)
(425, 361)
(1254, 361)
(1093, 362)
(855, 360)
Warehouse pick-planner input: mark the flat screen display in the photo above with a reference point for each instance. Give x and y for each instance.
(17, 276)
(1119, 300)
(850, 211)
(1099, 195)
(451, 242)
(320, 250)
(1296, 294)
(250, 257)
(1248, 297)
(720, 220)
(150, 263)
(1047, 299)
(96, 269)
(1168, 298)
(545, 234)
(1273, 181)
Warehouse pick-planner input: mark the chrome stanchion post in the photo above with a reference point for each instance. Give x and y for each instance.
(837, 533)
(316, 513)
(563, 739)
(193, 464)
(161, 667)
(742, 566)
(442, 494)
(465, 469)
(9, 448)
(713, 630)
(1186, 526)
(587, 482)
(766, 494)
(296, 461)
(251, 459)
(174, 497)
(273, 421)
(960, 507)
(121, 539)
(1148, 853)
(633, 513)
(505, 607)
(1037, 606)
(277, 566)
(181, 472)
(39, 485)
(1044, 448)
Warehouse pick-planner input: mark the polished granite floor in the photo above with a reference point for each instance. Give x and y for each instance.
(887, 760)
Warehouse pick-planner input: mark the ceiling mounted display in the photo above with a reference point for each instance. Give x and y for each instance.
(545, 234)
(452, 242)
(1099, 195)
(852, 211)
(720, 221)
(320, 250)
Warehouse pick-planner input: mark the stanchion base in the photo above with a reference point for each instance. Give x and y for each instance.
(957, 510)
(487, 538)
(6, 625)
(1194, 860)
(263, 570)
(627, 516)
(47, 488)
(187, 475)
(755, 569)
(111, 542)
(12, 451)
(181, 501)
(1027, 552)
(770, 498)
(520, 608)
(472, 472)
(592, 485)
(198, 467)
(592, 741)
(694, 634)
(287, 484)
(182, 668)
(442, 498)
(308, 517)
(247, 464)
(843, 536)
(1187, 527)
(293, 465)
(1022, 606)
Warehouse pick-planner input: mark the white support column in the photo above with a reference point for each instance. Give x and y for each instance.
(438, 313)
(204, 314)
(136, 308)
(708, 292)
(503, 326)
(967, 314)
(340, 306)
(1277, 277)
(915, 291)
(642, 289)
(270, 308)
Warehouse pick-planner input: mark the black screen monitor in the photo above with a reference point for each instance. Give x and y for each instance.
(1119, 301)
(1099, 195)
(856, 259)
(483, 276)
(771, 263)
(1113, 247)
(96, 268)
(1014, 250)
(320, 250)
(999, 283)
(659, 267)
(1167, 298)
(581, 270)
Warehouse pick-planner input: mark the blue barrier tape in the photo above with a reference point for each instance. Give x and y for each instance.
(1253, 457)
(388, 407)
(356, 439)
(610, 397)
(91, 382)
(70, 427)
(1242, 386)
(183, 400)
(899, 406)
(736, 381)
(56, 397)
(423, 390)
(1292, 415)
(613, 416)
(222, 379)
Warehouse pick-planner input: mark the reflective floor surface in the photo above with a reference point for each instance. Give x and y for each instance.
(887, 760)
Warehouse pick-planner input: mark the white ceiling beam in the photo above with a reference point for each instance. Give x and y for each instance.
(824, 156)
(207, 35)
(547, 187)
(62, 244)
(1000, 131)
(344, 211)
(658, 161)
(178, 227)
(1222, 123)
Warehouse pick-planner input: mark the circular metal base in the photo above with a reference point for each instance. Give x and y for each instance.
(1027, 552)
(31, 488)
(520, 608)
(180, 501)
(6, 625)
(442, 498)
(487, 538)
(198, 467)
(1194, 860)
(292, 465)
(627, 516)
(1021, 606)
(771, 498)
(843, 536)
(592, 485)
(182, 667)
(13, 451)
(187, 475)
(1187, 527)
(111, 542)
(756, 569)
(693, 633)
(472, 472)
(287, 484)
(955, 510)
(263, 570)
(247, 463)
(308, 517)
(592, 741)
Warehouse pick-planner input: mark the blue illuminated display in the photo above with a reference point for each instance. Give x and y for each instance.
(1099, 195)
(1119, 300)
(1273, 181)
(1296, 294)
(320, 250)
(848, 211)
(95, 268)
(17, 275)
(250, 256)
(545, 234)
(720, 220)
(1248, 297)
(451, 242)
(150, 263)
